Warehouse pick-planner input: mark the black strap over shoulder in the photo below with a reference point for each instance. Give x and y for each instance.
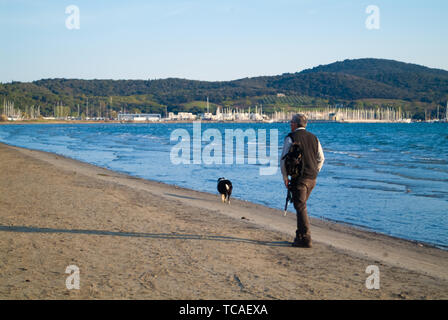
(292, 139)
(291, 135)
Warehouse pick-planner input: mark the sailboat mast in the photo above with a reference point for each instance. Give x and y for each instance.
(207, 106)
(446, 111)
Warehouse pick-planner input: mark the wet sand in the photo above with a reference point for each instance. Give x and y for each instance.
(137, 239)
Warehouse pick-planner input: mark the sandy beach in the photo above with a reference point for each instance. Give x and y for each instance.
(137, 239)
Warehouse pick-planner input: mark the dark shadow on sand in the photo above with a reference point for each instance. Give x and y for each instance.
(143, 235)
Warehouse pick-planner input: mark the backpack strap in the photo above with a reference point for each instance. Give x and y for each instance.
(292, 139)
(291, 136)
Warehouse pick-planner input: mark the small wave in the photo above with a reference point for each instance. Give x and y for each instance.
(373, 188)
(433, 195)
(350, 154)
(430, 160)
(406, 186)
(411, 177)
(439, 170)
(338, 164)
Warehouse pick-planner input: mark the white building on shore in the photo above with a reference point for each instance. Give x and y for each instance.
(139, 117)
(230, 114)
(181, 116)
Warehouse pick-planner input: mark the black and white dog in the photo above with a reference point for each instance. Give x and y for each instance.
(225, 189)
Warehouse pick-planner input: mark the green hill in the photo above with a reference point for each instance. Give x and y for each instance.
(351, 82)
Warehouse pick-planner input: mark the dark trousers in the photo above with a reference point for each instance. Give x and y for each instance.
(301, 191)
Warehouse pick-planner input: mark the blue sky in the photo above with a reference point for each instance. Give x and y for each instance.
(210, 39)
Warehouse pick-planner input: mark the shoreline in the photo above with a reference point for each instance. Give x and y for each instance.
(256, 230)
(203, 121)
(322, 219)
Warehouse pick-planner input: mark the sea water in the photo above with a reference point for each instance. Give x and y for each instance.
(389, 178)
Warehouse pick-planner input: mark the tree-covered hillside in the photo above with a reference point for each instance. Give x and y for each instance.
(355, 83)
(419, 82)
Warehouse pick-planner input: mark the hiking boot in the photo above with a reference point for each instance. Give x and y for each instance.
(301, 245)
(298, 241)
(302, 242)
(307, 241)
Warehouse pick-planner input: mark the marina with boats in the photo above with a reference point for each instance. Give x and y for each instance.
(338, 113)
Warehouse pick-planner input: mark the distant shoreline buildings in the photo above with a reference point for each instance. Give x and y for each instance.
(337, 113)
(257, 115)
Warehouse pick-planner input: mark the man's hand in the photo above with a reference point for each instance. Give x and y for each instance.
(286, 180)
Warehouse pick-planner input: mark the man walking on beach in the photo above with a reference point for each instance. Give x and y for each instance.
(302, 185)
